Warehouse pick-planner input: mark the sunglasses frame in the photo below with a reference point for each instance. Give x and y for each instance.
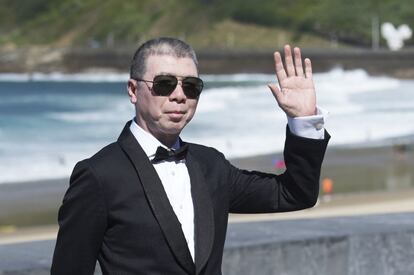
(184, 82)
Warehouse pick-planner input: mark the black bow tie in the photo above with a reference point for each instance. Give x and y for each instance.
(169, 155)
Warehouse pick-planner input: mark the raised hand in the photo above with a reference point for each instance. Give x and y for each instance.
(296, 94)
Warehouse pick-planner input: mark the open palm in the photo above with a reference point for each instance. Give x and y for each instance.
(296, 94)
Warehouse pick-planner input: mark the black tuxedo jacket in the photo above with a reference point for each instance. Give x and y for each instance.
(117, 212)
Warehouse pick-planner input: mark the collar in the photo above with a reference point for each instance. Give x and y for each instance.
(147, 141)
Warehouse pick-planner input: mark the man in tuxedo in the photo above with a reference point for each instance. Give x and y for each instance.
(151, 203)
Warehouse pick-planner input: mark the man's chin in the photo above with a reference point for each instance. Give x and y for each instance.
(174, 129)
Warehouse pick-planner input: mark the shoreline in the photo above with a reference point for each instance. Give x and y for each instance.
(30, 203)
(345, 205)
(367, 180)
(261, 161)
(355, 172)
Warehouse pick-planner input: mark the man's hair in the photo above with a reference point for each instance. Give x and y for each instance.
(159, 46)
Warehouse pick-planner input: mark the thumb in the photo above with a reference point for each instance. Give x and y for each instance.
(274, 88)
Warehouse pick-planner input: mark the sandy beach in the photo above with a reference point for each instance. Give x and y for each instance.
(366, 180)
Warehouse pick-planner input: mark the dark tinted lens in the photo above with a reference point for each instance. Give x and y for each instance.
(164, 84)
(192, 86)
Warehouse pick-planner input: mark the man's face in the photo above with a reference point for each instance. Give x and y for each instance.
(163, 116)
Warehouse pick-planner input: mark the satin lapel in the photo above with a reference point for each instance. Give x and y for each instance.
(157, 199)
(203, 212)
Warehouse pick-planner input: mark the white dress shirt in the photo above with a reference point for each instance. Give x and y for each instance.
(176, 180)
(309, 126)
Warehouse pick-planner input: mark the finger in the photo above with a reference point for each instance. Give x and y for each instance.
(276, 92)
(308, 68)
(280, 70)
(298, 61)
(290, 68)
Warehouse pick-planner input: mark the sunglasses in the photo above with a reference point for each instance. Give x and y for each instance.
(164, 85)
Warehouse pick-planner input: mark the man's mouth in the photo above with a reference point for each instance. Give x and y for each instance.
(175, 115)
(176, 112)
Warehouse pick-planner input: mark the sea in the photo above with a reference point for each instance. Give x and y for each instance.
(48, 122)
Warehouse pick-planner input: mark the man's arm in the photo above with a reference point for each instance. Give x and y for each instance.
(82, 223)
(297, 188)
(306, 141)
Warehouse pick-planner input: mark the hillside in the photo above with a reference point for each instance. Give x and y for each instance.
(206, 24)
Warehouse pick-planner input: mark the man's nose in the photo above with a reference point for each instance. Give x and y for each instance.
(178, 93)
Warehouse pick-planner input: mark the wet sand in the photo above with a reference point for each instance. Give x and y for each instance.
(366, 180)
(30, 203)
(381, 202)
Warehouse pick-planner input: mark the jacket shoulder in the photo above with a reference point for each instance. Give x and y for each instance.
(106, 159)
(205, 153)
(106, 153)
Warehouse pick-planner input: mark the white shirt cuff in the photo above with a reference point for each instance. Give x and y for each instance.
(309, 126)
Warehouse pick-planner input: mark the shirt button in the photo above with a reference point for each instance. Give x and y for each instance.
(172, 173)
(318, 126)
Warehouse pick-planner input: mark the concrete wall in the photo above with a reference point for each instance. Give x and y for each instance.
(364, 245)
(377, 244)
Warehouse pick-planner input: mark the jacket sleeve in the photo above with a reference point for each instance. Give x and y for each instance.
(297, 188)
(82, 223)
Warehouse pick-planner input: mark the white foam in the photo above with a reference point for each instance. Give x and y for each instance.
(122, 77)
(90, 117)
(217, 99)
(239, 78)
(62, 77)
(342, 82)
(45, 167)
(239, 119)
(248, 115)
(13, 77)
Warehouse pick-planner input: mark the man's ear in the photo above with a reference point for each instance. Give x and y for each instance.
(132, 91)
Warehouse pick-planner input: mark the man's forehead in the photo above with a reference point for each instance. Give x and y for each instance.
(168, 57)
(170, 64)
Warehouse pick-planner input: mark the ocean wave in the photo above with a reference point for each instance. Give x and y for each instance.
(239, 120)
(349, 81)
(62, 77)
(36, 168)
(339, 81)
(121, 77)
(246, 77)
(84, 116)
(239, 144)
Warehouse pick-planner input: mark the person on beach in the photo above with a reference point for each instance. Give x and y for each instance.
(152, 203)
